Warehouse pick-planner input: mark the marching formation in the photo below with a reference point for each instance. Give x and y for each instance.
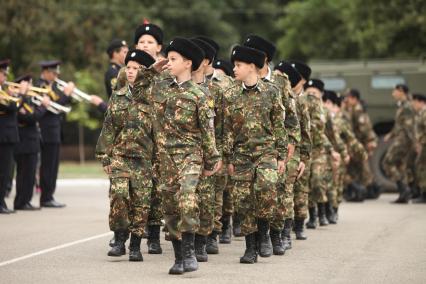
(211, 147)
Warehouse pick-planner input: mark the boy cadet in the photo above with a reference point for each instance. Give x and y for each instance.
(255, 146)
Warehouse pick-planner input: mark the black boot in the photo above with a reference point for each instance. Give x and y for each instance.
(188, 252)
(277, 243)
(286, 233)
(264, 246)
(421, 198)
(119, 248)
(373, 191)
(360, 192)
(212, 247)
(225, 236)
(135, 248)
(177, 268)
(298, 229)
(153, 243)
(321, 214)
(236, 226)
(404, 192)
(200, 248)
(329, 212)
(250, 254)
(336, 213)
(313, 215)
(112, 241)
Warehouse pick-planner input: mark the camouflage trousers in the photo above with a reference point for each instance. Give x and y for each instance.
(301, 193)
(421, 169)
(254, 191)
(179, 176)
(332, 185)
(320, 175)
(206, 204)
(130, 192)
(359, 170)
(155, 210)
(339, 182)
(285, 194)
(395, 162)
(223, 200)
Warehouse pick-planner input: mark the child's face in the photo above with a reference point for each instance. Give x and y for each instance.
(132, 69)
(149, 44)
(177, 63)
(242, 70)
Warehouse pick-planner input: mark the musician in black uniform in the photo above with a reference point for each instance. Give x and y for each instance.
(117, 51)
(8, 138)
(50, 126)
(26, 151)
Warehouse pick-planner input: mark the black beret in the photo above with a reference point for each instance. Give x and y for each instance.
(209, 51)
(26, 77)
(303, 69)
(261, 44)
(187, 49)
(354, 93)
(403, 88)
(331, 96)
(224, 65)
(4, 63)
(210, 41)
(140, 57)
(248, 55)
(315, 83)
(286, 68)
(419, 97)
(114, 44)
(149, 29)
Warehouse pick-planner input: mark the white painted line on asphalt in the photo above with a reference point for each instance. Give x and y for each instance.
(7, 262)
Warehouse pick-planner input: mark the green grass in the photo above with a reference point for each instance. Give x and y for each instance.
(90, 169)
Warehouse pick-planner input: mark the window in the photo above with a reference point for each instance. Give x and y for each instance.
(334, 84)
(386, 81)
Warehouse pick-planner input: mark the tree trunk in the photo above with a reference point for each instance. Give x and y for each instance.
(81, 143)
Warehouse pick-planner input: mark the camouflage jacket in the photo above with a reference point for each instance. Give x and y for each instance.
(332, 132)
(318, 121)
(420, 128)
(127, 129)
(403, 130)
(355, 149)
(217, 86)
(254, 121)
(361, 125)
(305, 145)
(291, 122)
(183, 119)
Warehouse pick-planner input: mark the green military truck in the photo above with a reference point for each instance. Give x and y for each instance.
(375, 80)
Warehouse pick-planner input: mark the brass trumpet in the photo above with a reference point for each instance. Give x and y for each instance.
(77, 94)
(5, 98)
(35, 92)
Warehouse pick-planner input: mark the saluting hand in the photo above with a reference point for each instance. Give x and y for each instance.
(160, 65)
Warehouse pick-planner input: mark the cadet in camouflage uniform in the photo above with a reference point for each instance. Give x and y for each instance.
(184, 136)
(296, 166)
(354, 148)
(125, 148)
(282, 221)
(402, 135)
(333, 133)
(362, 183)
(206, 187)
(255, 146)
(321, 150)
(301, 186)
(419, 105)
